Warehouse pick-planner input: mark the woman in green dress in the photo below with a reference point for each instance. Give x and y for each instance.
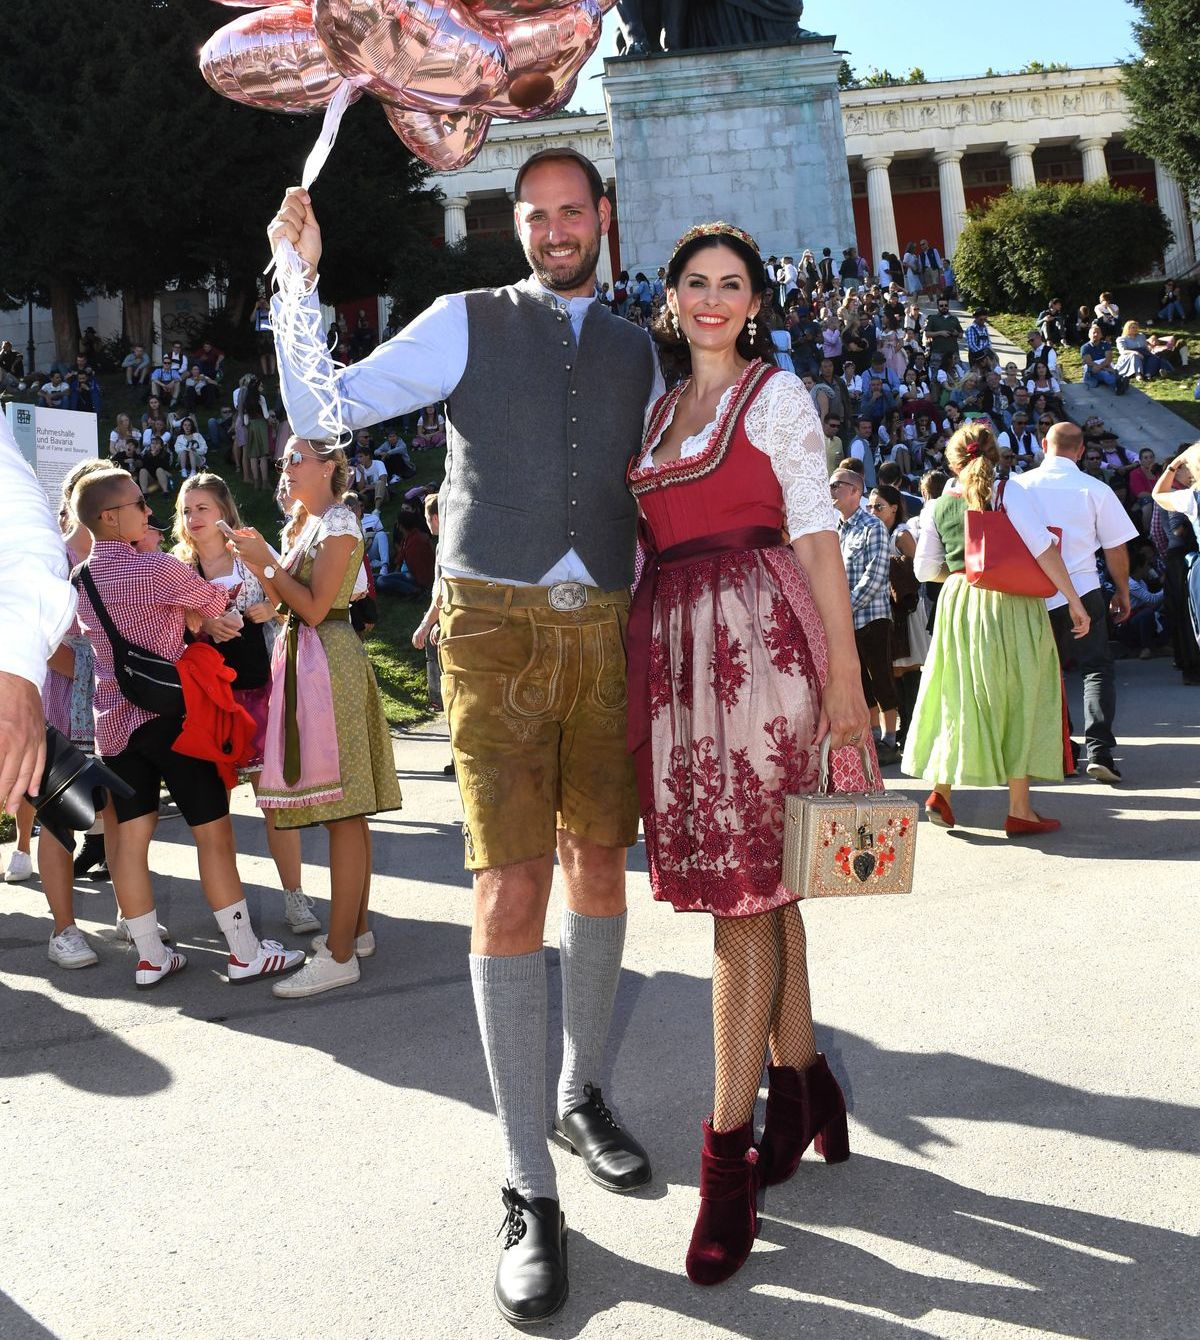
(328, 754)
(990, 708)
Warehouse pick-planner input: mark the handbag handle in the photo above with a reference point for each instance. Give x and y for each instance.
(824, 780)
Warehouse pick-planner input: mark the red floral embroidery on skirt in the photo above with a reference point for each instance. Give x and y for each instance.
(737, 660)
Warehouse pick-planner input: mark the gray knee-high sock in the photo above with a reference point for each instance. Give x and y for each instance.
(589, 952)
(510, 1001)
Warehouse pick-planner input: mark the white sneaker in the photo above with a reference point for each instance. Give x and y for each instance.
(123, 930)
(299, 912)
(20, 867)
(322, 972)
(364, 945)
(272, 958)
(149, 974)
(70, 950)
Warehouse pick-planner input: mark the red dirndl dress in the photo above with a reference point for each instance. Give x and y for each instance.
(727, 660)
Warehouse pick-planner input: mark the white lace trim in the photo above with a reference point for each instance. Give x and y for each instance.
(338, 520)
(692, 446)
(782, 423)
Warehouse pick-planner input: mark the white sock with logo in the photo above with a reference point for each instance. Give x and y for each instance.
(144, 931)
(234, 922)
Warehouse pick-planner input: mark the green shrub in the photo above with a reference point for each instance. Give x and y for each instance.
(1022, 247)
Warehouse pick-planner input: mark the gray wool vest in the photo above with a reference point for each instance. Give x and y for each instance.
(539, 433)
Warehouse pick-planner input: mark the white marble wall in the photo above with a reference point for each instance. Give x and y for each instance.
(751, 136)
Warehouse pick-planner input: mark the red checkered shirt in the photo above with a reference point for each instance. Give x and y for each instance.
(146, 596)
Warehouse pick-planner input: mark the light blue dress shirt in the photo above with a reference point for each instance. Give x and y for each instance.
(420, 366)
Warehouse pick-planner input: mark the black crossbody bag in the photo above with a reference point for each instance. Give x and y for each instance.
(145, 679)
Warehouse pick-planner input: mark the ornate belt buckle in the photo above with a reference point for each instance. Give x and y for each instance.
(567, 596)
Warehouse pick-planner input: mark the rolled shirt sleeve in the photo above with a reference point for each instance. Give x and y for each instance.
(420, 366)
(37, 602)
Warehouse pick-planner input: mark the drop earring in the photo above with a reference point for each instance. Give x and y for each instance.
(675, 324)
(752, 329)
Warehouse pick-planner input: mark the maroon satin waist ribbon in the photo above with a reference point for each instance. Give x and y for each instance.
(640, 627)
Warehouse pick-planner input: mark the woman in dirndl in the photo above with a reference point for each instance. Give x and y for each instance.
(990, 709)
(741, 659)
(328, 755)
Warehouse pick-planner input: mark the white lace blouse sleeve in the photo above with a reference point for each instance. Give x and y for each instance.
(339, 520)
(782, 423)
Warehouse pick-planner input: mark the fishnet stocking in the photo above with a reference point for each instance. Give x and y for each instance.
(760, 993)
(745, 983)
(792, 1041)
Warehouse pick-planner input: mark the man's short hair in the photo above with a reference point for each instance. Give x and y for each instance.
(851, 463)
(96, 493)
(888, 472)
(562, 155)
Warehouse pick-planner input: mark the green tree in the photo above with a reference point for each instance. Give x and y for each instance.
(140, 177)
(429, 270)
(1161, 85)
(1043, 67)
(1023, 246)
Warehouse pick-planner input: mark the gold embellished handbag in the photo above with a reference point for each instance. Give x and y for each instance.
(837, 843)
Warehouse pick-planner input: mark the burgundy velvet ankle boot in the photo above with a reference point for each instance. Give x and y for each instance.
(728, 1220)
(803, 1107)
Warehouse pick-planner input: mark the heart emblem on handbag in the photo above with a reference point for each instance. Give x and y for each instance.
(864, 864)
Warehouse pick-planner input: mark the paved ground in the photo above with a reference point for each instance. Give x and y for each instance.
(1019, 1036)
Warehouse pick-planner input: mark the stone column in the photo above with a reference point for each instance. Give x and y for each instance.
(879, 207)
(1181, 254)
(1092, 152)
(954, 197)
(604, 270)
(1020, 166)
(455, 213)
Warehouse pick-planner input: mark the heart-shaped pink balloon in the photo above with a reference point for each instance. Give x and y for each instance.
(422, 55)
(271, 59)
(545, 53)
(445, 140)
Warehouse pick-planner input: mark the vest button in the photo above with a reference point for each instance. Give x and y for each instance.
(574, 445)
(574, 502)
(571, 533)
(574, 392)
(566, 344)
(574, 419)
(574, 474)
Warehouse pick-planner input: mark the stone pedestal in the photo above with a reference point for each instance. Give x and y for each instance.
(752, 135)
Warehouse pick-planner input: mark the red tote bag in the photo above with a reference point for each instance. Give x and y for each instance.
(997, 559)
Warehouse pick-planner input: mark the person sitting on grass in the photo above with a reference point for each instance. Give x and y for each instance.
(412, 558)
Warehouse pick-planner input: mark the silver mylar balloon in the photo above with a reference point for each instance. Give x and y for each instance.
(271, 59)
(423, 55)
(445, 140)
(545, 53)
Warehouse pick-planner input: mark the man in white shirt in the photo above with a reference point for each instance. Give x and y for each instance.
(37, 603)
(1091, 517)
(1022, 441)
(370, 476)
(56, 392)
(524, 546)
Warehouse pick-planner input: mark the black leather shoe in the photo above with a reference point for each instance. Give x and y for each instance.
(531, 1279)
(612, 1157)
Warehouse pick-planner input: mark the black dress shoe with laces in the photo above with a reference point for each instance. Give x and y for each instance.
(531, 1279)
(612, 1157)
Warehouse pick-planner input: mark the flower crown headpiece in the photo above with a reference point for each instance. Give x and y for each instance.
(718, 228)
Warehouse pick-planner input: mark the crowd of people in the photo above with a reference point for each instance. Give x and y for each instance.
(793, 469)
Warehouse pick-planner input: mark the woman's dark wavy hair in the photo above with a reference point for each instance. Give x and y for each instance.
(673, 352)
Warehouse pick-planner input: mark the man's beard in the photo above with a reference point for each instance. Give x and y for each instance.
(576, 276)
